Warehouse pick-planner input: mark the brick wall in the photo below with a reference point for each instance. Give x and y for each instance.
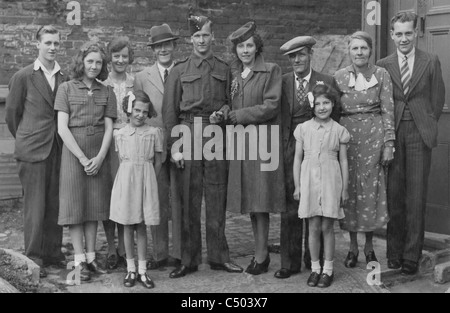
(277, 20)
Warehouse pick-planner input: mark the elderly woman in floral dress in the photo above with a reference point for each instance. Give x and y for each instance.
(368, 114)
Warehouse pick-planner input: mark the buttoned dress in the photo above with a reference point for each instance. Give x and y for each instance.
(368, 114)
(134, 197)
(85, 198)
(320, 177)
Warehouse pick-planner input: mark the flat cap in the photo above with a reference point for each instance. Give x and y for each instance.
(196, 23)
(297, 44)
(243, 33)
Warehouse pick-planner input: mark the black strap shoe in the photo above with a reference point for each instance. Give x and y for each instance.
(351, 260)
(130, 279)
(313, 279)
(325, 280)
(146, 281)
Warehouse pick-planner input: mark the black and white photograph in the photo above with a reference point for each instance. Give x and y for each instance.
(230, 152)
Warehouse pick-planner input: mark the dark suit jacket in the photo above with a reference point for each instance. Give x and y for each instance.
(30, 115)
(426, 96)
(288, 98)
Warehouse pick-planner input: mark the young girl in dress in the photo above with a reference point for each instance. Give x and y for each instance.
(134, 199)
(320, 179)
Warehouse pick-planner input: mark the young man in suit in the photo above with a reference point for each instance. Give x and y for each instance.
(32, 121)
(296, 109)
(419, 94)
(151, 80)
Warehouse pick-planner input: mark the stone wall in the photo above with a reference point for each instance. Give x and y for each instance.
(278, 21)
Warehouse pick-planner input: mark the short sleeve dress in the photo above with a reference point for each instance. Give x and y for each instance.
(84, 198)
(134, 197)
(321, 178)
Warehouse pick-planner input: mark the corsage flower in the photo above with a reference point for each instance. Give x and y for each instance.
(310, 99)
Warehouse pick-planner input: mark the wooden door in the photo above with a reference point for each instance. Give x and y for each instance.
(434, 37)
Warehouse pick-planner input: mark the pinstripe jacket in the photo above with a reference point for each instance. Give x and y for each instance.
(426, 96)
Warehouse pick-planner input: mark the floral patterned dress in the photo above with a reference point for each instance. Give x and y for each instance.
(368, 114)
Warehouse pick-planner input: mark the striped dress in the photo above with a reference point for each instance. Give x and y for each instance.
(84, 198)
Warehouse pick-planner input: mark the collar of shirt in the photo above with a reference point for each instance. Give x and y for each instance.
(129, 81)
(162, 68)
(307, 78)
(38, 65)
(198, 60)
(81, 85)
(411, 58)
(326, 125)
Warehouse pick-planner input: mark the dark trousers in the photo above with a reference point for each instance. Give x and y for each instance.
(407, 193)
(169, 209)
(40, 182)
(197, 178)
(291, 237)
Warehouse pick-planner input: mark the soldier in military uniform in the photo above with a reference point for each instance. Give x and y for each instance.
(196, 88)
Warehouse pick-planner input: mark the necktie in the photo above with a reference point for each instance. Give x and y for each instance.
(166, 73)
(406, 75)
(301, 91)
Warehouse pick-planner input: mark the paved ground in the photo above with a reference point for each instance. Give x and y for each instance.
(240, 240)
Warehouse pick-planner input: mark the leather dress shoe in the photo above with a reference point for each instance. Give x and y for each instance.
(146, 281)
(325, 280)
(227, 266)
(154, 265)
(394, 264)
(313, 279)
(94, 267)
(85, 273)
(130, 279)
(351, 260)
(283, 273)
(409, 268)
(256, 268)
(182, 271)
(370, 257)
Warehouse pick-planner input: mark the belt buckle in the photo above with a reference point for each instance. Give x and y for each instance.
(90, 130)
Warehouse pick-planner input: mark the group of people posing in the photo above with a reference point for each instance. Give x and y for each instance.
(355, 147)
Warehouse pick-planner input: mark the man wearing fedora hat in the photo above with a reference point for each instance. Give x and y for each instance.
(296, 109)
(198, 88)
(151, 80)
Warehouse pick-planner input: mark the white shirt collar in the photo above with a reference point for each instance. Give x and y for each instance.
(410, 55)
(162, 68)
(38, 65)
(307, 77)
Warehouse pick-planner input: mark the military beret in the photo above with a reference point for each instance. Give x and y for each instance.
(297, 44)
(243, 33)
(196, 23)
